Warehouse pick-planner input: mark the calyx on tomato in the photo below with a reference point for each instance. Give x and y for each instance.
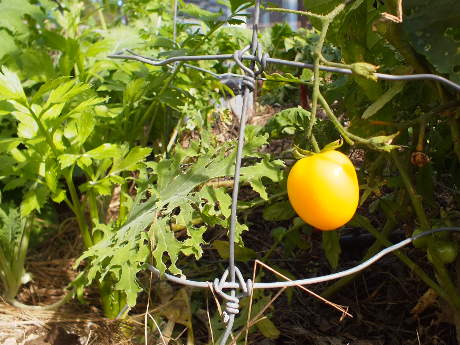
(323, 189)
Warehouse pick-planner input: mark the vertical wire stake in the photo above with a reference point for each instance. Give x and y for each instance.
(248, 86)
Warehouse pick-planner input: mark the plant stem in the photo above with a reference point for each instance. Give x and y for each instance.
(45, 133)
(415, 198)
(409, 263)
(87, 240)
(335, 121)
(302, 13)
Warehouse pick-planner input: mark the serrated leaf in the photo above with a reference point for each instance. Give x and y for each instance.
(103, 151)
(164, 241)
(52, 173)
(217, 196)
(84, 126)
(27, 127)
(135, 156)
(48, 86)
(12, 227)
(53, 112)
(67, 159)
(86, 105)
(185, 216)
(192, 245)
(10, 86)
(272, 170)
(33, 200)
(128, 283)
(204, 169)
(66, 91)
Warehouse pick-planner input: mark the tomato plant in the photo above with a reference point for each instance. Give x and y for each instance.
(323, 189)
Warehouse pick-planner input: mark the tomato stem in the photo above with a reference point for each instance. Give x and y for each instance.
(415, 198)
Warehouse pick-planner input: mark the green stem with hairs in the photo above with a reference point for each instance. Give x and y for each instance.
(84, 230)
(415, 198)
(325, 20)
(298, 12)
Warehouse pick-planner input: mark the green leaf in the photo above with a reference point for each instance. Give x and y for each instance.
(12, 14)
(279, 211)
(433, 30)
(242, 254)
(123, 37)
(331, 247)
(84, 126)
(287, 78)
(27, 127)
(33, 200)
(128, 283)
(394, 89)
(7, 144)
(12, 227)
(287, 122)
(217, 197)
(236, 4)
(192, 245)
(103, 151)
(8, 45)
(195, 11)
(268, 329)
(164, 241)
(10, 86)
(53, 112)
(272, 170)
(204, 169)
(66, 91)
(52, 174)
(67, 159)
(135, 156)
(47, 87)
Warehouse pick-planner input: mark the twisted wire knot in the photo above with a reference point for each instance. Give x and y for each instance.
(260, 60)
(232, 303)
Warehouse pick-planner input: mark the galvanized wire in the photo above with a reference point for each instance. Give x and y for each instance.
(383, 76)
(259, 60)
(307, 281)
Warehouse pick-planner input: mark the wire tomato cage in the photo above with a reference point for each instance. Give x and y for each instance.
(232, 279)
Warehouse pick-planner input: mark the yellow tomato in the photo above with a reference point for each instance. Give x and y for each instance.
(323, 189)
